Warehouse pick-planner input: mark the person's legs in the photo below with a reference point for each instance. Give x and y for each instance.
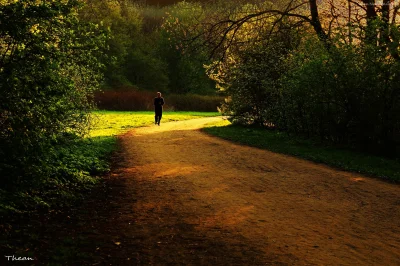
(159, 118)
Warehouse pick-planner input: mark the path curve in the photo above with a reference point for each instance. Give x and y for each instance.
(187, 198)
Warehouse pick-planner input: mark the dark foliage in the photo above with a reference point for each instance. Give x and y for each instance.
(49, 65)
(133, 100)
(339, 83)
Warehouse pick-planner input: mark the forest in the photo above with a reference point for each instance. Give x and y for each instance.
(321, 70)
(325, 72)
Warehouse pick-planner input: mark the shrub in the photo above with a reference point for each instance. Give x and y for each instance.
(49, 64)
(348, 97)
(134, 100)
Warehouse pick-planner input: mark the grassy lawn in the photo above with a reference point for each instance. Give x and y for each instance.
(111, 123)
(279, 142)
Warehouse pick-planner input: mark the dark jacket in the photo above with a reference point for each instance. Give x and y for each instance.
(158, 104)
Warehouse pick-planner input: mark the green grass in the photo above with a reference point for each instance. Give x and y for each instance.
(388, 169)
(111, 123)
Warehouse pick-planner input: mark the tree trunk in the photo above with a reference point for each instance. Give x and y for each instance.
(371, 34)
(316, 23)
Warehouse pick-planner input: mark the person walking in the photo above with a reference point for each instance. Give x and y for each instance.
(158, 108)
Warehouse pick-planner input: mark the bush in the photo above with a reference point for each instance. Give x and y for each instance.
(49, 65)
(198, 103)
(134, 100)
(124, 100)
(349, 97)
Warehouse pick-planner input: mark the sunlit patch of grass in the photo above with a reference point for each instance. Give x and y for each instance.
(221, 123)
(281, 142)
(111, 123)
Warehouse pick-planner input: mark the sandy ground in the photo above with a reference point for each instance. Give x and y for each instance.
(182, 197)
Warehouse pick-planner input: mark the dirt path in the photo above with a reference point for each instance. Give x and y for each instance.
(182, 197)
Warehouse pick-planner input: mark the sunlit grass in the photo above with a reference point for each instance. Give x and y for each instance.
(281, 142)
(111, 123)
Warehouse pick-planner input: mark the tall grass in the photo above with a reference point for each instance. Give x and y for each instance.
(133, 100)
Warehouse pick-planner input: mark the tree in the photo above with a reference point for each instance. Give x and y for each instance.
(185, 65)
(344, 88)
(49, 66)
(366, 21)
(124, 22)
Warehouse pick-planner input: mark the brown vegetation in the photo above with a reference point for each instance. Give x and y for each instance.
(133, 100)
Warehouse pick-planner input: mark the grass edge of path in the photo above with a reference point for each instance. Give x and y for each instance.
(279, 142)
